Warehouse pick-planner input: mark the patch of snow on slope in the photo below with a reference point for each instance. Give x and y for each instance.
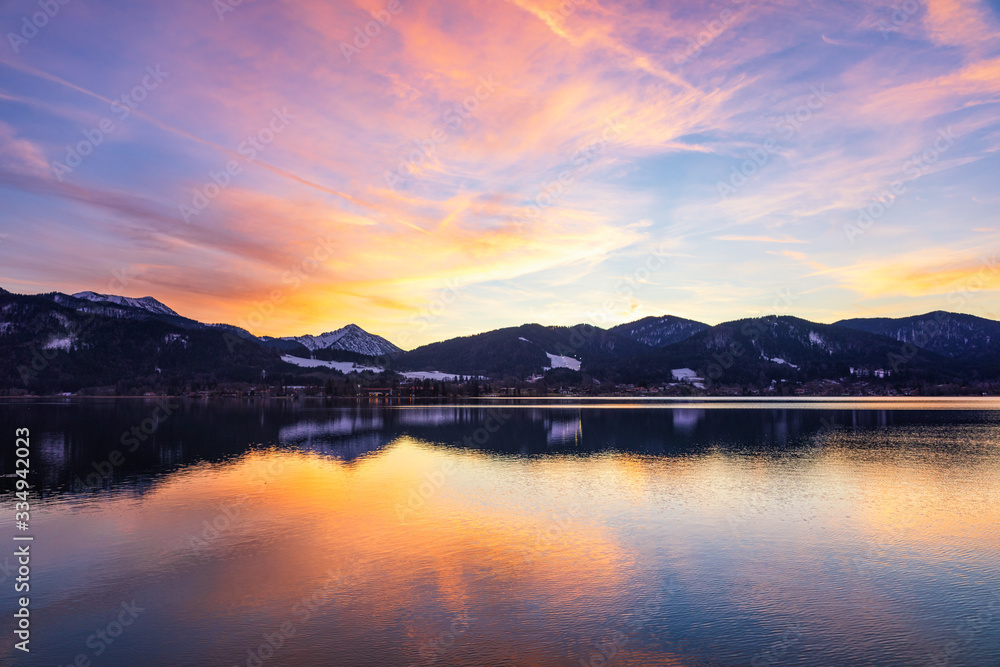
(63, 343)
(429, 375)
(342, 366)
(816, 339)
(350, 367)
(558, 361)
(779, 360)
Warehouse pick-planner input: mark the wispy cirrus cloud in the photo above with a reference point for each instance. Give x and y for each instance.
(465, 163)
(758, 239)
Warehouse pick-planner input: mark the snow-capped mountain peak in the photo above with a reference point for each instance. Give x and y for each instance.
(351, 338)
(146, 303)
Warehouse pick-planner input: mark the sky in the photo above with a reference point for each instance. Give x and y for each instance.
(440, 168)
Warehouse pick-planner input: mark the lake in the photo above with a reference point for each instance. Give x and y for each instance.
(531, 532)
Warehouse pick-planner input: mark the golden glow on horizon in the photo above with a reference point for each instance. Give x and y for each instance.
(512, 148)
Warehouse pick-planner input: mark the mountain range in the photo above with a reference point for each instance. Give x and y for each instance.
(965, 338)
(659, 331)
(350, 338)
(521, 351)
(763, 350)
(57, 342)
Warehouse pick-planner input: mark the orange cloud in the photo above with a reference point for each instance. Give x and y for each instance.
(917, 275)
(402, 172)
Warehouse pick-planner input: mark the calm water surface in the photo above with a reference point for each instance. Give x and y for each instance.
(275, 532)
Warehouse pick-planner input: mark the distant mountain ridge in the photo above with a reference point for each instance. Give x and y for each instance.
(951, 334)
(520, 351)
(66, 342)
(110, 305)
(55, 342)
(660, 331)
(147, 303)
(761, 350)
(966, 338)
(351, 339)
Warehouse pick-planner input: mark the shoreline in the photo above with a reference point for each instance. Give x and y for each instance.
(590, 402)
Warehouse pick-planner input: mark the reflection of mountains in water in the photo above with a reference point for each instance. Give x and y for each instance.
(73, 440)
(344, 436)
(534, 430)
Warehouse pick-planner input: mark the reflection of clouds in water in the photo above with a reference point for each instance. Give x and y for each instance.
(686, 420)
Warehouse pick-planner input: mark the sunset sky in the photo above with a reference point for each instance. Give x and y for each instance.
(472, 165)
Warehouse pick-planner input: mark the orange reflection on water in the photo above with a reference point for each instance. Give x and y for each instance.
(265, 533)
(412, 538)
